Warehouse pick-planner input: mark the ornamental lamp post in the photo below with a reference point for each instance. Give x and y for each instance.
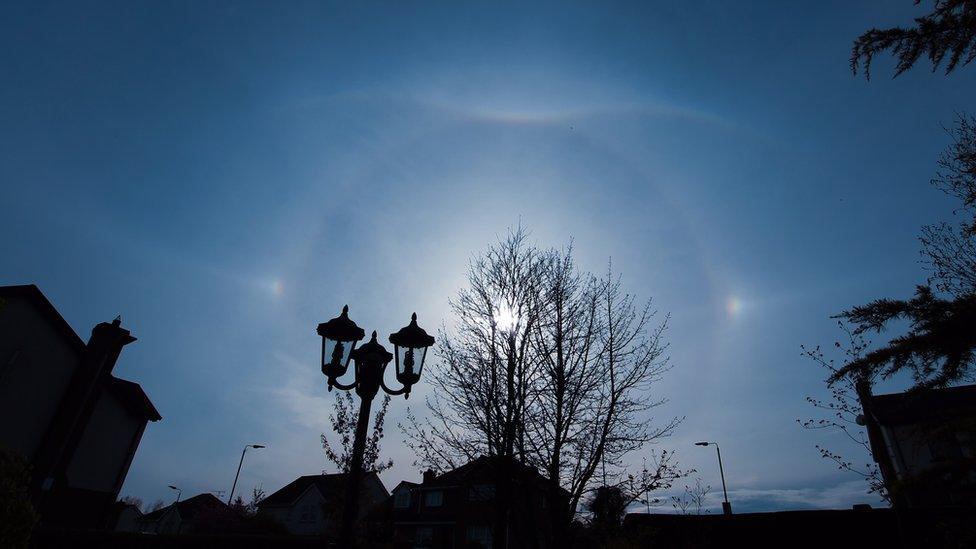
(339, 338)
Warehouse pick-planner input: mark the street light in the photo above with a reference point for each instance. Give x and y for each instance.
(179, 493)
(726, 506)
(339, 338)
(234, 487)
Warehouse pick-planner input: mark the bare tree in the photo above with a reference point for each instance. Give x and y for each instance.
(662, 475)
(131, 500)
(546, 365)
(344, 418)
(692, 501)
(843, 409)
(482, 383)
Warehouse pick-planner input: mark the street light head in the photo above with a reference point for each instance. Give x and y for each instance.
(371, 360)
(258, 446)
(339, 337)
(174, 487)
(703, 443)
(410, 346)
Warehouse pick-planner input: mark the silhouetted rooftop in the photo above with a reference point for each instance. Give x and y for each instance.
(326, 484)
(191, 507)
(912, 406)
(130, 393)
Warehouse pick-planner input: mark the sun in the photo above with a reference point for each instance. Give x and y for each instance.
(505, 318)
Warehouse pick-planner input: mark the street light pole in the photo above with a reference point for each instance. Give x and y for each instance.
(351, 508)
(726, 506)
(339, 338)
(179, 492)
(234, 487)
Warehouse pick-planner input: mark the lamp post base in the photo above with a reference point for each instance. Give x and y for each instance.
(726, 508)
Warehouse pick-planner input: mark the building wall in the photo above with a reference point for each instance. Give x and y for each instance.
(128, 520)
(307, 516)
(36, 366)
(103, 451)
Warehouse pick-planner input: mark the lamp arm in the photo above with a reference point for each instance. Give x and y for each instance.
(392, 392)
(335, 383)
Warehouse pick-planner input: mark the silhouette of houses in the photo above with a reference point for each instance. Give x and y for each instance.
(201, 513)
(311, 505)
(123, 517)
(77, 424)
(925, 444)
(861, 527)
(458, 507)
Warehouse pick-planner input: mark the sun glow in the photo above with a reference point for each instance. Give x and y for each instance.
(733, 306)
(505, 318)
(277, 288)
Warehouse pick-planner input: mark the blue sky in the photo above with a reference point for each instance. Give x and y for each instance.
(227, 175)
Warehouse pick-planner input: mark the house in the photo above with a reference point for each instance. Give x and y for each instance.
(458, 507)
(123, 517)
(311, 505)
(77, 424)
(924, 443)
(860, 527)
(201, 513)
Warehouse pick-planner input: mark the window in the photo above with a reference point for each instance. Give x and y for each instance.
(433, 498)
(482, 492)
(423, 537)
(402, 499)
(480, 535)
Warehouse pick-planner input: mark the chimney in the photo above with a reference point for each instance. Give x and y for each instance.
(429, 476)
(105, 345)
(97, 362)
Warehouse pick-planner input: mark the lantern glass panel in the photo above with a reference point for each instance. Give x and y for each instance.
(336, 353)
(410, 361)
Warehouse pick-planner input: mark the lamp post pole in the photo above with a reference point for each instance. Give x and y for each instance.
(179, 492)
(726, 506)
(339, 338)
(351, 508)
(234, 487)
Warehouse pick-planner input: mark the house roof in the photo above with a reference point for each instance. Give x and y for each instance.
(914, 406)
(326, 484)
(134, 398)
(130, 393)
(32, 292)
(190, 507)
(477, 468)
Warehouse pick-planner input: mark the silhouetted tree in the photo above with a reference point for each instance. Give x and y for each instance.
(939, 347)
(692, 501)
(546, 365)
(131, 500)
(17, 516)
(344, 418)
(662, 475)
(948, 34)
(248, 508)
(155, 506)
(607, 507)
(843, 409)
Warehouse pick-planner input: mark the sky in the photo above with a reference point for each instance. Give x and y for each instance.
(227, 175)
